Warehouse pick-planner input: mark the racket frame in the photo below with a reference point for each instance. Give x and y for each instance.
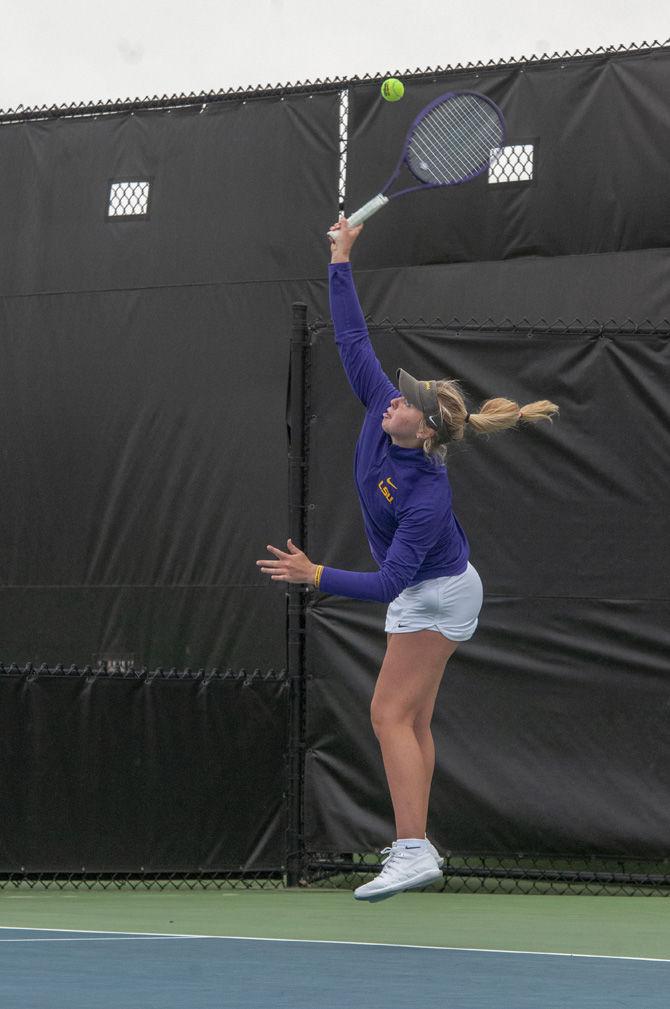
(410, 132)
(380, 200)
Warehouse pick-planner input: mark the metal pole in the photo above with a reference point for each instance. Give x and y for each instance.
(296, 599)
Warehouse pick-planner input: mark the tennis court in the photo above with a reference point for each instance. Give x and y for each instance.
(309, 950)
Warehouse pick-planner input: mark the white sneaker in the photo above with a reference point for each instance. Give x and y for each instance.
(435, 853)
(404, 869)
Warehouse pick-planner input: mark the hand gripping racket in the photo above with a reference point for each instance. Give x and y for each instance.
(450, 141)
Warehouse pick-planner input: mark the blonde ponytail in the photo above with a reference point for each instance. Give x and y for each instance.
(498, 414)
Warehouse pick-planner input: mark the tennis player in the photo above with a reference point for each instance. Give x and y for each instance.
(434, 592)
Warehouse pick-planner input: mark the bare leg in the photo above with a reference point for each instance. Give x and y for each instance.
(406, 776)
(404, 696)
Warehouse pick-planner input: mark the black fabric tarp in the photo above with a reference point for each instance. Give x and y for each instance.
(552, 727)
(141, 776)
(144, 469)
(142, 409)
(138, 476)
(624, 288)
(228, 184)
(552, 723)
(572, 508)
(551, 731)
(600, 176)
(144, 371)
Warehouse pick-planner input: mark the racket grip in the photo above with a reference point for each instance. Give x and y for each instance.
(367, 210)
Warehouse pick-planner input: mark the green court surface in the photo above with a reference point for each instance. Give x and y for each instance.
(600, 925)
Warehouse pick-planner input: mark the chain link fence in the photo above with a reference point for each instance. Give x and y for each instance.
(102, 107)
(248, 880)
(507, 873)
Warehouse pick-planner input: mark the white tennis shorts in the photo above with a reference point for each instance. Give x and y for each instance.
(449, 604)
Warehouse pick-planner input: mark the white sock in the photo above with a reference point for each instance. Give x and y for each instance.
(411, 842)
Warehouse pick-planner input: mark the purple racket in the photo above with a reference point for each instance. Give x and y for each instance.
(451, 141)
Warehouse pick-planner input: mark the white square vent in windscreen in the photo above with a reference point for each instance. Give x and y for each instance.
(128, 199)
(511, 164)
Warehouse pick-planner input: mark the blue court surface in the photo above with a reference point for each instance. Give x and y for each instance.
(45, 969)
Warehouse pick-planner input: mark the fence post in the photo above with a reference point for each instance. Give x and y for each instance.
(297, 412)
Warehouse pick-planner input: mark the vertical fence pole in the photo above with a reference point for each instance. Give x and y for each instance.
(297, 407)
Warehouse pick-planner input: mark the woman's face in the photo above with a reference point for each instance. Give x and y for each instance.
(402, 422)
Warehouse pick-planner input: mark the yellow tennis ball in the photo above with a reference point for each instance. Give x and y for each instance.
(393, 89)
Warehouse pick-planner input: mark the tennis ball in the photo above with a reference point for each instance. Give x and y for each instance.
(393, 89)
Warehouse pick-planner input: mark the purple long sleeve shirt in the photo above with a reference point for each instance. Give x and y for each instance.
(406, 500)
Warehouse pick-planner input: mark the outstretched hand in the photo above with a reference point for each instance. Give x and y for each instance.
(294, 566)
(340, 245)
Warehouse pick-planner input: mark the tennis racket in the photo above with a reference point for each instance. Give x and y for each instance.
(451, 141)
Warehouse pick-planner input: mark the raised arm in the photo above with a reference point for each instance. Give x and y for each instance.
(365, 373)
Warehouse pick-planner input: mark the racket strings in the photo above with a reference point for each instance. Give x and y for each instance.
(451, 147)
(473, 134)
(433, 161)
(473, 115)
(451, 134)
(454, 140)
(465, 130)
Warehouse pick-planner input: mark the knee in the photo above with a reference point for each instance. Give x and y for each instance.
(376, 716)
(384, 717)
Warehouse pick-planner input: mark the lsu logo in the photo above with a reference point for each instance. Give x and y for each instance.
(384, 489)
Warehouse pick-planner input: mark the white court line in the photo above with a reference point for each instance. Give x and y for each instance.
(331, 942)
(102, 938)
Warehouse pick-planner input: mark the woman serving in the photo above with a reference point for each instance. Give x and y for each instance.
(433, 591)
